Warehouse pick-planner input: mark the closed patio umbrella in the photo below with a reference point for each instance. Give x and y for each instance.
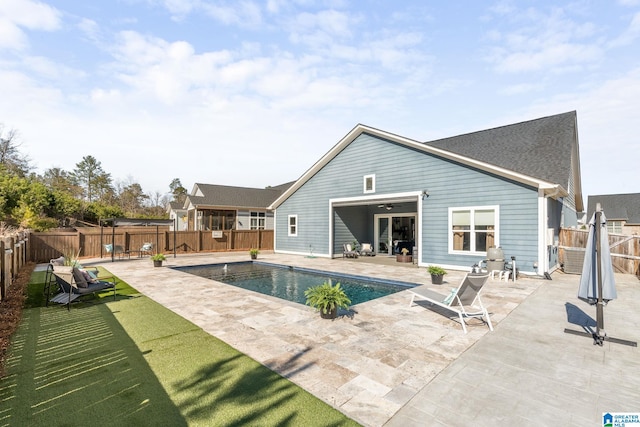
(597, 268)
(597, 283)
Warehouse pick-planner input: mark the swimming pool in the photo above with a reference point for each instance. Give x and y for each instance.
(289, 283)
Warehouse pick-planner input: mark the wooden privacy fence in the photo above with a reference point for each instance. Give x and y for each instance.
(14, 251)
(625, 249)
(89, 242)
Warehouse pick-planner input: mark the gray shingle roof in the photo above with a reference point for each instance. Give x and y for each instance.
(239, 197)
(540, 148)
(175, 206)
(619, 207)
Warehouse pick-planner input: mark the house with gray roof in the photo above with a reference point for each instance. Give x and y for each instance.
(621, 210)
(448, 202)
(178, 214)
(212, 207)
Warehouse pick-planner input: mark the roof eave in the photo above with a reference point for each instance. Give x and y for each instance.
(228, 207)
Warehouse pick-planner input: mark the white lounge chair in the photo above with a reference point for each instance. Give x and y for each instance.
(464, 297)
(367, 250)
(348, 251)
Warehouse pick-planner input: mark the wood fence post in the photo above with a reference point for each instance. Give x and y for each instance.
(3, 260)
(25, 248)
(12, 256)
(7, 265)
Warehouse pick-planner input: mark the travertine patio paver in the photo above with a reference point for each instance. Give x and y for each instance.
(368, 364)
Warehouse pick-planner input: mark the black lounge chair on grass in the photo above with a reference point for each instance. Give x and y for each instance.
(75, 284)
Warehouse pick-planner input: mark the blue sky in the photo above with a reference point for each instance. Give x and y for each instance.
(252, 93)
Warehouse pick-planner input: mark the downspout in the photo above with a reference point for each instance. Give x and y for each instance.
(543, 253)
(331, 213)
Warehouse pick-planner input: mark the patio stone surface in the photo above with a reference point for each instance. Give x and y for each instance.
(384, 363)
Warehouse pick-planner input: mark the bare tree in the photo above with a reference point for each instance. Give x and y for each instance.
(130, 197)
(10, 157)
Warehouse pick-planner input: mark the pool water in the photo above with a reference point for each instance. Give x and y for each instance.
(289, 283)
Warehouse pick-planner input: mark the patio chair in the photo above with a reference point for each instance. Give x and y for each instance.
(466, 296)
(75, 284)
(117, 250)
(348, 251)
(146, 249)
(367, 250)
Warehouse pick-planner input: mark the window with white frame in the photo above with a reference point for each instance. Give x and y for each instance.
(293, 225)
(473, 230)
(614, 226)
(369, 184)
(258, 220)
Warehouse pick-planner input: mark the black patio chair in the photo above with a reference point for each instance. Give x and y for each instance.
(74, 284)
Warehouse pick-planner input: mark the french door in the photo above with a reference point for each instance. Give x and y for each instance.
(391, 229)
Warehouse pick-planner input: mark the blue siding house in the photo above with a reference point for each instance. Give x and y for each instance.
(447, 201)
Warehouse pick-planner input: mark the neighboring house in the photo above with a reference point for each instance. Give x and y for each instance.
(452, 199)
(179, 214)
(621, 210)
(221, 207)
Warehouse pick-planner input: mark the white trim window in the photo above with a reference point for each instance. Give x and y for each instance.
(614, 226)
(369, 184)
(292, 225)
(258, 220)
(473, 230)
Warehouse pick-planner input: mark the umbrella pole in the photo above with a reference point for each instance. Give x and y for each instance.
(600, 333)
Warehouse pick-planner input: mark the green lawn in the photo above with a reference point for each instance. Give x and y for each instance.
(133, 362)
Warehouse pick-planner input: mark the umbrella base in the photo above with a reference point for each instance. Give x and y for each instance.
(600, 339)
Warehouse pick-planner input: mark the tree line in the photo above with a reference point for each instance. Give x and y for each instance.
(60, 198)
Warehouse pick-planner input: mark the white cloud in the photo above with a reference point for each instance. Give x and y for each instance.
(321, 29)
(180, 8)
(90, 28)
(630, 34)
(554, 57)
(30, 14)
(11, 36)
(46, 69)
(522, 88)
(534, 40)
(18, 14)
(245, 14)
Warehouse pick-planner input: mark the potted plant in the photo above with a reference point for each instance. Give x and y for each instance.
(67, 261)
(157, 259)
(253, 252)
(327, 299)
(404, 256)
(437, 274)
